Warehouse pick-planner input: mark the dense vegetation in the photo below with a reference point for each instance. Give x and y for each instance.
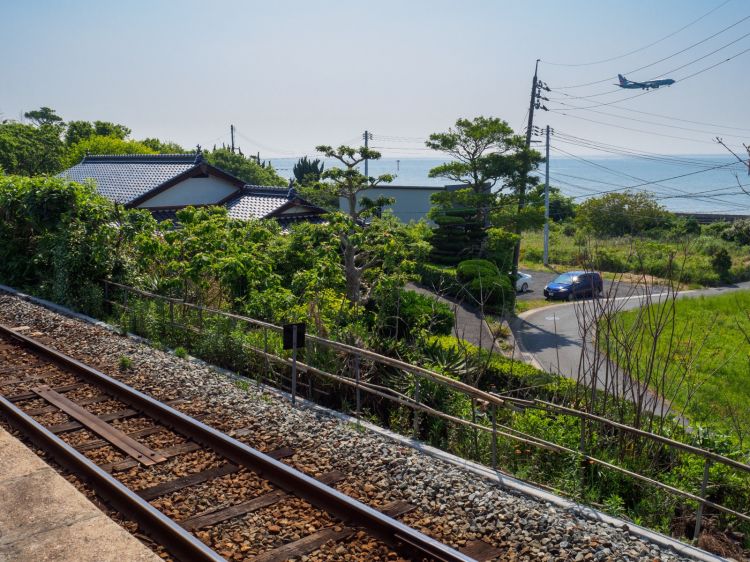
(623, 232)
(346, 278)
(48, 145)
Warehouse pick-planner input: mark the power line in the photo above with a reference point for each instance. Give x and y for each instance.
(661, 59)
(683, 79)
(683, 28)
(625, 151)
(652, 133)
(644, 120)
(644, 182)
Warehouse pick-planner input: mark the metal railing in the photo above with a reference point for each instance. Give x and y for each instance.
(487, 400)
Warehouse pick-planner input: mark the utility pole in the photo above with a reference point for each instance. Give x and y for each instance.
(534, 103)
(231, 133)
(546, 203)
(367, 136)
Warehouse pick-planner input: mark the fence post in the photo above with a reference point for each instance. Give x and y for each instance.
(493, 413)
(171, 315)
(415, 429)
(356, 388)
(294, 364)
(699, 513)
(265, 357)
(475, 437)
(106, 307)
(309, 375)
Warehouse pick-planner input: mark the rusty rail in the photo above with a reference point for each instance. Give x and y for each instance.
(404, 539)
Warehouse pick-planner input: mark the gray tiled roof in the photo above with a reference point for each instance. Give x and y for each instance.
(123, 178)
(256, 202)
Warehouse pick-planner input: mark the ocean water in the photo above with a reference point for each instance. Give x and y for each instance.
(686, 183)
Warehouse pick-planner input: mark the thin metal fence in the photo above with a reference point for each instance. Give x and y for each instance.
(490, 401)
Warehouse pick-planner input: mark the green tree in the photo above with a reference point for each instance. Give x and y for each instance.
(617, 214)
(78, 131)
(43, 116)
(371, 250)
(561, 208)
(108, 129)
(30, 150)
(485, 151)
(57, 237)
(308, 172)
(103, 145)
(163, 147)
(247, 169)
(348, 182)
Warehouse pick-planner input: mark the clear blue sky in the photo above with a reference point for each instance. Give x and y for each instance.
(293, 74)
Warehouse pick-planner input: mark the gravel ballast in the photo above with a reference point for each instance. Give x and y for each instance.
(454, 506)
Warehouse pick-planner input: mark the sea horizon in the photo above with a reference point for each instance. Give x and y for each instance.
(699, 183)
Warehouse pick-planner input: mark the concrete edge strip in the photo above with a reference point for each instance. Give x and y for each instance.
(504, 481)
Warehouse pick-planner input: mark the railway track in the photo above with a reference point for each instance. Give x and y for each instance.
(172, 474)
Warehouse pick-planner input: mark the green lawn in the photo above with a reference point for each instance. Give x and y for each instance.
(721, 370)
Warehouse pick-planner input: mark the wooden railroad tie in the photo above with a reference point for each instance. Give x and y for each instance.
(117, 438)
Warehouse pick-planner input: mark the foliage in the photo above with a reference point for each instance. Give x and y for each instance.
(103, 145)
(459, 234)
(43, 116)
(247, 169)
(738, 231)
(721, 263)
(647, 254)
(163, 147)
(617, 214)
(307, 171)
(56, 236)
(348, 182)
(484, 151)
(404, 314)
(561, 208)
(30, 150)
(500, 246)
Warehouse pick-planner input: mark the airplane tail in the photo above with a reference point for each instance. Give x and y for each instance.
(622, 79)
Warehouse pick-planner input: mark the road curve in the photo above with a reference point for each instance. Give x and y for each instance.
(552, 337)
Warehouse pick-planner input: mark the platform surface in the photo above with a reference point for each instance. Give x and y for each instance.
(44, 518)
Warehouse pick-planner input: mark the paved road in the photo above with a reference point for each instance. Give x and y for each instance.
(553, 336)
(469, 324)
(542, 277)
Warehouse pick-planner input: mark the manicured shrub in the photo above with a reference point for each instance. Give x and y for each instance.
(470, 269)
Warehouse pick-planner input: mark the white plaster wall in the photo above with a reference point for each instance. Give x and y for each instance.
(192, 191)
(412, 203)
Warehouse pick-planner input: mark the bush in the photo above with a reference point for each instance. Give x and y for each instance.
(500, 247)
(616, 214)
(486, 284)
(738, 231)
(470, 269)
(402, 315)
(721, 263)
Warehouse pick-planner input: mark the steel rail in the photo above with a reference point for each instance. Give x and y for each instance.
(404, 539)
(158, 526)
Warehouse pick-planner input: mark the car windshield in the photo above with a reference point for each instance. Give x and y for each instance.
(565, 278)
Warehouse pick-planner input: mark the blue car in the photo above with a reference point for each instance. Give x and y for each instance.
(575, 284)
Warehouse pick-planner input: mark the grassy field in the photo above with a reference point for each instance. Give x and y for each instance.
(721, 371)
(640, 255)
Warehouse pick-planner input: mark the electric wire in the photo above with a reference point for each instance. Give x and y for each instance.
(683, 28)
(661, 59)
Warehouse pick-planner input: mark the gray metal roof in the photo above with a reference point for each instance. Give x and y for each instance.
(256, 201)
(123, 178)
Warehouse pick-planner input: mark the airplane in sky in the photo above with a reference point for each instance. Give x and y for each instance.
(648, 84)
